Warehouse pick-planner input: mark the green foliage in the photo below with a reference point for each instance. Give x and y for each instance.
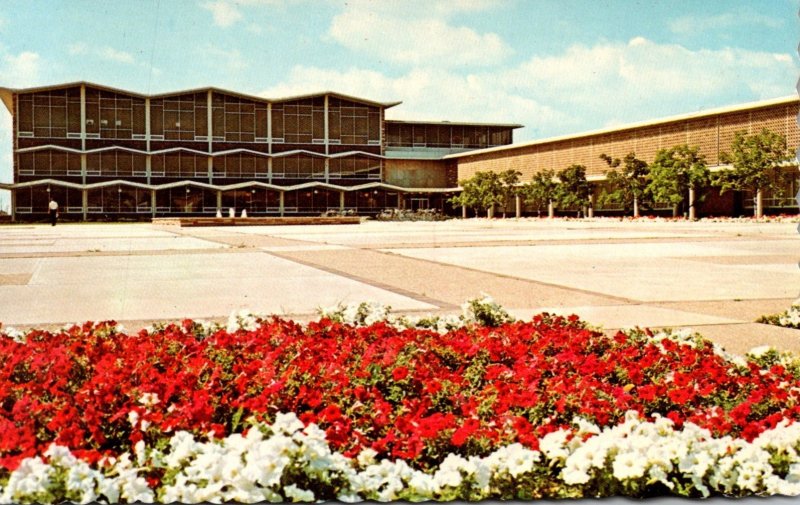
(756, 161)
(674, 172)
(541, 189)
(479, 192)
(573, 189)
(627, 180)
(485, 189)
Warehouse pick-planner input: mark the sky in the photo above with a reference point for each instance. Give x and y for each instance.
(555, 66)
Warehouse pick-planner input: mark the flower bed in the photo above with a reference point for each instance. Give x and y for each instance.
(387, 409)
(789, 318)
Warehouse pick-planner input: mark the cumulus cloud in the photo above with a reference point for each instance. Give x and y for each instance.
(106, 53)
(642, 79)
(20, 70)
(225, 13)
(582, 88)
(723, 21)
(417, 33)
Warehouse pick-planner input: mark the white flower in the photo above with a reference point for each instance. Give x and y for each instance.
(297, 494)
(628, 465)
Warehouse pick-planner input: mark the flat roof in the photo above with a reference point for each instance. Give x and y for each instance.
(630, 126)
(456, 123)
(6, 93)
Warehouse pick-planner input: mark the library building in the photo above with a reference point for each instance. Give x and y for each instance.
(108, 154)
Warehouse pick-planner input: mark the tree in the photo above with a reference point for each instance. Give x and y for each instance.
(573, 189)
(541, 190)
(677, 173)
(627, 183)
(479, 192)
(756, 161)
(509, 189)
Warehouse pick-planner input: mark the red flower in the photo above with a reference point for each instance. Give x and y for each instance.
(399, 373)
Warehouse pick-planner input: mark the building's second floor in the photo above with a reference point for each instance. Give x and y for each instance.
(86, 117)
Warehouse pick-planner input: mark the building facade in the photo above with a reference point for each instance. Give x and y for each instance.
(711, 131)
(105, 153)
(109, 154)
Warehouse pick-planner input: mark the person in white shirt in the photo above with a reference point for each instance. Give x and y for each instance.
(53, 211)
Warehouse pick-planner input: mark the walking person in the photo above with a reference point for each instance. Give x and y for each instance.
(53, 211)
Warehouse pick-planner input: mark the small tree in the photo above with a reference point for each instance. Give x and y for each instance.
(628, 180)
(573, 190)
(480, 192)
(756, 161)
(675, 173)
(541, 190)
(509, 189)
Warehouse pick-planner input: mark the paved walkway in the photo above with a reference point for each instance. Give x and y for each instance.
(714, 277)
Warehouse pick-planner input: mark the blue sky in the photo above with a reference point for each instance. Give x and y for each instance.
(556, 66)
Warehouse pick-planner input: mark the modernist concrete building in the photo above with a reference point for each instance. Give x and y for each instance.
(105, 153)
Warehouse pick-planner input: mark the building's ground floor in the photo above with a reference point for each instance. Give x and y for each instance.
(115, 200)
(125, 200)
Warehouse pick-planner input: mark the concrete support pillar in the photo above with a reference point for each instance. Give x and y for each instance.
(490, 212)
(518, 206)
(280, 203)
(13, 204)
(590, 210)
(550, 210)
(635, 206)
(692, 213)
(153, 202)
(341, 201)
(85, 203)
(759, 203)
(219, 201)
(463, 212)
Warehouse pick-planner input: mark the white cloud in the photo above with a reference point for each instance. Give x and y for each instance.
(724, 21)
(417, 33)
(103, 52)
(109, 53)
(231, 59)
(225, 13)
(643, 79)
(583, 88)
(20, 70)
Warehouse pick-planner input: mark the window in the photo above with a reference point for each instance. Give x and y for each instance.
(183, 117)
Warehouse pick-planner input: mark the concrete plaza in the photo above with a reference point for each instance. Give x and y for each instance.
(716, 278)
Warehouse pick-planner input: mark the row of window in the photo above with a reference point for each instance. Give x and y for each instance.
(125, 164)
(193, 200)
(57, 114)
(446, 136)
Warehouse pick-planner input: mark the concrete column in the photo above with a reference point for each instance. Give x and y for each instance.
(280, 204)
(13, 204)
(269, 135)
(490, 212)
(550, 210)
(590, 212)
(147, 128)
(635, 206)
(692, 213)
(83, 168)
(325, 127)
(153, 202)
(341, 201)
(327, 168)
(210, 127)
(85, 203)
(148, 167)
(518, 206)
(269, 169)
(463, 212)
(759, 203)
(219, 201)
(83, 118)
